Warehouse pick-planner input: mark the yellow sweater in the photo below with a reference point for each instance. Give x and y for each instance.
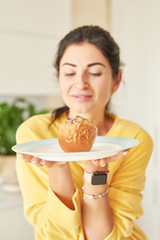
(51, 219)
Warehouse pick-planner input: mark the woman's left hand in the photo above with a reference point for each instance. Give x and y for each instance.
(104, 161)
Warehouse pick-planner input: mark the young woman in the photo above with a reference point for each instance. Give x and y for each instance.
(88, 72)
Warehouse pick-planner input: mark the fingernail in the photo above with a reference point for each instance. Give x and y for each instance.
(102, 165)
(63, 162)
(125, 153)
(96, 162)
(34, 160)
(19, 155)
(43, 162)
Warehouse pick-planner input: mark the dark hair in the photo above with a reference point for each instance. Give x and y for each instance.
(91, 34)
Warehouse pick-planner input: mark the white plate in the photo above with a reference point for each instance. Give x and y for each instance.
(50, 150)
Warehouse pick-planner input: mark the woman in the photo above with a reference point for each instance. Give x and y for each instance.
(88, 72)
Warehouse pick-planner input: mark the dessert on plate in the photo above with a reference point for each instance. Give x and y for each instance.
(77, 135)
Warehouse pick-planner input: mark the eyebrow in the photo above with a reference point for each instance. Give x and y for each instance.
(96, 63)
(89, 65)
(70, 64)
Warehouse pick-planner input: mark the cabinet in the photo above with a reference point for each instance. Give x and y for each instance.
(13, 225)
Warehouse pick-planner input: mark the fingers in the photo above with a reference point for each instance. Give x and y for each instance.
(36, 161)
(101, 162)
(120, 155)
(27, 158)
(104, 161)
(49, 164)
(31, 159)
(39, 162)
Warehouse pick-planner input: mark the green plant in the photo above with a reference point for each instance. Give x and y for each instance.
(11, 116)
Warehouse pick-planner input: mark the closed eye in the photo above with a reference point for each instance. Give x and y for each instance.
(69, 74)
(95, 74)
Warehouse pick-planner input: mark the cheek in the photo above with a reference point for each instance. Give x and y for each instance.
(104, 92)
(105, 95)
(65, 88)
(63, 84)
(105, 87)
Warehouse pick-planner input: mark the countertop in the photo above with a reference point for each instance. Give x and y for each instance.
(9, 200)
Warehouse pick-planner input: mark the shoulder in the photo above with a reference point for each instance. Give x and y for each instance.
(128, 125)
(136, 160)
(37, 127)
(37, 121)
(130, 129)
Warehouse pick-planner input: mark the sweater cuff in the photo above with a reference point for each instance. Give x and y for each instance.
(112, 235)
(60, 213)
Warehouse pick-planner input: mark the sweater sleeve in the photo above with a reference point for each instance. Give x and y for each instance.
(43, 209)
(125, 190)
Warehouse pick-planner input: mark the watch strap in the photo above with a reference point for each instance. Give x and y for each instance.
(88, 176)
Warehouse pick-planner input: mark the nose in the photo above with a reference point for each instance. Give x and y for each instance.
(82, 81)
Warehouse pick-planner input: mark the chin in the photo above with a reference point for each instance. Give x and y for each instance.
(81, 111)
(79, 108)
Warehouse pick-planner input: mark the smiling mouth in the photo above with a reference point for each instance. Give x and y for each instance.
(81, 97)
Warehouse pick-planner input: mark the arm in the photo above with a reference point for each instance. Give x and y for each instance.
(96, 213)
(61, 183)
(126, 187)
(124, 201)
(51, 204)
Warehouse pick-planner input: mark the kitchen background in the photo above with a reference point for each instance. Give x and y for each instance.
(29, 33)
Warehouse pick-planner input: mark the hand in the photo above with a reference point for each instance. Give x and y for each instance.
(100, 164)
(39, 162)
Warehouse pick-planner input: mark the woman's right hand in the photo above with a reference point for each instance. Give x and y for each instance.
(38, 161)
(56, 170)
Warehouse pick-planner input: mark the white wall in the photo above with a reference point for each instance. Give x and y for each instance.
(136, 27)
(29, 33)
(92, 12)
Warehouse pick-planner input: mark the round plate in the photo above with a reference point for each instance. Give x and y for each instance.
(50, 150)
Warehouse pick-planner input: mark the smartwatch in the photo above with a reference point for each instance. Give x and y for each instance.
(96, 178)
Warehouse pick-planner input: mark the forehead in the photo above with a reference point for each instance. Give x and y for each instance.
(83, 53)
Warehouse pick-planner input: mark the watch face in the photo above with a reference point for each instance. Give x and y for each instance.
(99, 178)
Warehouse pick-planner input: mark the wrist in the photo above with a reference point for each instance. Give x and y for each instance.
(94, 189)
(97, 194)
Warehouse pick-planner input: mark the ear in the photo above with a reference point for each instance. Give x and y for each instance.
(116, 82)
(57, 75)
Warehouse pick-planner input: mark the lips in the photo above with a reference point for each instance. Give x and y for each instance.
(81, 97)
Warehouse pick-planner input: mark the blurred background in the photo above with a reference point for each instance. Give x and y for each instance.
(29, 33)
